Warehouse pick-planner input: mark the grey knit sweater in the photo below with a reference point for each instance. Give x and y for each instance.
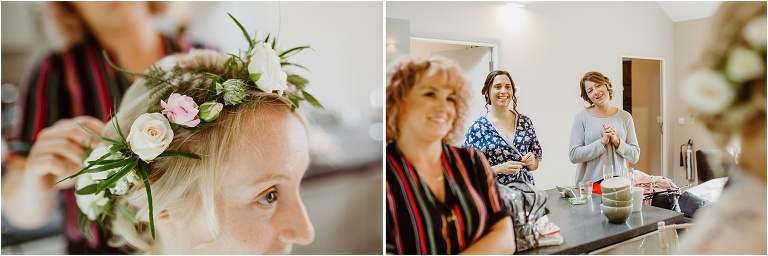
(590, 155)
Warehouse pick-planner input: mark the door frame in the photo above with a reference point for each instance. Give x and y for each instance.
(663, 89)
(494, 47)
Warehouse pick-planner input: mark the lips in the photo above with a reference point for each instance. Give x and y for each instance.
(440, 120)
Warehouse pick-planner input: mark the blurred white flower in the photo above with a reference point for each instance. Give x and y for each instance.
(97, 153)
(755, 32)
(123, 184)
(743, 64)
(92, 205)
(707, 91)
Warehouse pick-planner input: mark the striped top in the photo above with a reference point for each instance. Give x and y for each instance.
(73, 83)
(418, 223)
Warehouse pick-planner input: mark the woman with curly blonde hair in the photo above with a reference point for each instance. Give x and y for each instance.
(440, 199)
(727, 93)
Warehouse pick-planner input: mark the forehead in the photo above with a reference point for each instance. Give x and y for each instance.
(439, 80)
(501, 78)
(274, 144)
(589, 84)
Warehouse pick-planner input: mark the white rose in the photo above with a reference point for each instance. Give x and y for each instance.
(755, 32)
(743, 65)
(92, 205)
(707, 91)
(150, 135)
(266, 63)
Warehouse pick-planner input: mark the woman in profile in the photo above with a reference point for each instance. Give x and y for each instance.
(727, 93)
(440, 199)
(505, 136)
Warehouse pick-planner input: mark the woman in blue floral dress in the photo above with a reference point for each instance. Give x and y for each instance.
(506, 137)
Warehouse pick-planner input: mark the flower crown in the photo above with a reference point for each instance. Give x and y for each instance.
(111, 171)
(723, 97)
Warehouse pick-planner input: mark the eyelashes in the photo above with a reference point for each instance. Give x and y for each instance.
(269, 198)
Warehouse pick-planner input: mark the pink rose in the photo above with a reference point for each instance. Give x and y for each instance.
(181, 110)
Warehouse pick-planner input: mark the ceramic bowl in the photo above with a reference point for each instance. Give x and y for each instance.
(614, 184)
(616, 203)
(616, 214)
(621, 195)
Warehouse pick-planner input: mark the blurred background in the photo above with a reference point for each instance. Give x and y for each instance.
(342, 190)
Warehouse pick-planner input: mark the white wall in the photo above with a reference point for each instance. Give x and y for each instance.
(547, 47)
(346, 64)
(688, 37)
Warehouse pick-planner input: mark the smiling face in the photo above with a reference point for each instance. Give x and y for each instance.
(258, 206)
(501, 91)
(597, 92)
(429, 108)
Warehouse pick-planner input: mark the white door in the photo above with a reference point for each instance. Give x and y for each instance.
(476, 62)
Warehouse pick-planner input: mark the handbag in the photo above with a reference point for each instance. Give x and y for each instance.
(525, 205)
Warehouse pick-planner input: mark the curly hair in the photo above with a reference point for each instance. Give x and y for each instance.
(487, 87)
(402, 77)
(598, 78)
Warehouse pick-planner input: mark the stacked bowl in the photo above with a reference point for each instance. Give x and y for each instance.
(617, 199)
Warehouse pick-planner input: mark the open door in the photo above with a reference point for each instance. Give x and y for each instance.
(642, 96)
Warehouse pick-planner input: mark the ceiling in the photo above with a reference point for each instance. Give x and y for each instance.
(689, 10)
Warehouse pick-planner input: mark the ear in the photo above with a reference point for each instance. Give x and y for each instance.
(167, 222)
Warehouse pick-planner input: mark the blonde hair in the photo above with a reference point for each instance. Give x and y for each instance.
(64, 26)
(597, 78)
(179, 183)
(726, 31)
(402, 77)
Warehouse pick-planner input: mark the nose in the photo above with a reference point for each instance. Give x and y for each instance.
(298, 229)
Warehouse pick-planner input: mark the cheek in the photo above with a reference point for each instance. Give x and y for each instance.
(243, 231)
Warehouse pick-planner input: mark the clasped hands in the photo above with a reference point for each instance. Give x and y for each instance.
(609, 135)
(514, 167)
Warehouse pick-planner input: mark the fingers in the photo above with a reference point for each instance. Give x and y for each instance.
(59, 147)
(70, 129)
(50, 169)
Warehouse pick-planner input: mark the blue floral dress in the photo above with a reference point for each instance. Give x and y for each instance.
(484, 136)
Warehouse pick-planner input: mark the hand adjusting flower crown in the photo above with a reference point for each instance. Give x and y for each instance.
(111, 171)
(722, 96)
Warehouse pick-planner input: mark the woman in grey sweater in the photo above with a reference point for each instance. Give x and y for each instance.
(601, 134)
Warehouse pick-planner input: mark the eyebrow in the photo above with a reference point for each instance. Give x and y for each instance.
(270, 177)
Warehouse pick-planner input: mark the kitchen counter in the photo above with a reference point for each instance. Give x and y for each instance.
(585, 229)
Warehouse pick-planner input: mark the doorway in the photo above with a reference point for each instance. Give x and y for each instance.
(476, 60)
(643, 94)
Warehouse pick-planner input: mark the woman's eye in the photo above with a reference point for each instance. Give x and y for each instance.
(429, 94)
(451, 99)
(268, 199)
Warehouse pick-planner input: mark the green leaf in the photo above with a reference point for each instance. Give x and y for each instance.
(127, 214)
(293, 64)
(92, 163)
(87, 190)
(255, 77)
(179, 153)
(293, 51)
(109, 61)
(113, 165)
(117, 128)
(298, 81)
(114, 178)
(98, 136)
(144, 173)
(250, 42)
(311, 99)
